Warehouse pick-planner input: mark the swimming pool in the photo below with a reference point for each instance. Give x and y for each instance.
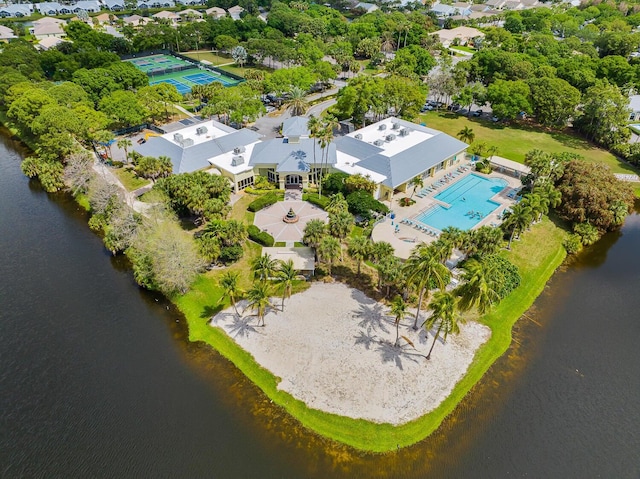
(468, 203)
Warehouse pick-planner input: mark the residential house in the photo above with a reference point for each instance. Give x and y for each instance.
(234, 12)
(513, 5)
(216, 12)
(16, 11)
(367, 7)
(114, 5)
(52, 8)
(144, 4)
(530, 3)
(49, 29)
(171, 17)
(463, 35)
(495, 4)
(189, 14)
(634, 106)
(6, 34)
(89, 6)
(48, 43)
(440, 10)
(463, 9)
(136, 20)
(103, 18)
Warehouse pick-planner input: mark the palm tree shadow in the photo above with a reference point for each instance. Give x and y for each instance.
(396, 354)
(366, 338)
(235, 325)
(372, 317)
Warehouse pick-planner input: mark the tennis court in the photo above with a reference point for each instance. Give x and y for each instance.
(179, 73)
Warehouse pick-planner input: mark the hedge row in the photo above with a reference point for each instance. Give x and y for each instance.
(321, 201)
(264, 201)
(259, 236)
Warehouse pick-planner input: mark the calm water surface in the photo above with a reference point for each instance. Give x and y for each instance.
(97, 378)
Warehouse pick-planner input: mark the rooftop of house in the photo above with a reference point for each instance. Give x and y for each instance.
(295, 126)
(634, 102)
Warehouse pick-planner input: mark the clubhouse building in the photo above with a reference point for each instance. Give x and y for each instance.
(390, 152)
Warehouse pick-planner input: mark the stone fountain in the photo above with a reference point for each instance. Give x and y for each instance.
(291, 217)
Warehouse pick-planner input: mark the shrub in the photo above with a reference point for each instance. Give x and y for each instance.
(262, 183)
(264, 201)
(484, 166)
(406, 201)
(573, 243)
(230, 254)
(334, 183)
(259, 236)
(362, 203)
(504, 273)
(321, 201)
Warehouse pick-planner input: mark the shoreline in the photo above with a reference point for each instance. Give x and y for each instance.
(362, 434)
(365, 435)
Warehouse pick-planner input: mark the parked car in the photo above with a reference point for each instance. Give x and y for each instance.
(478, 113)
(454, 107)
(426, 108)
(495, 119)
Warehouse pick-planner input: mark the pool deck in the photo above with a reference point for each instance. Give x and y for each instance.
(409, 237)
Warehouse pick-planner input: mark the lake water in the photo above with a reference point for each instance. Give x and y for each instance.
(97, 378)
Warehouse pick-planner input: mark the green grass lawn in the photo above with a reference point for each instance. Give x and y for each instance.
(514, 141)
(129, 179)
(537, 255)
(240, 71)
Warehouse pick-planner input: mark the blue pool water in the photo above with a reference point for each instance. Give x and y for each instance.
(469, 203)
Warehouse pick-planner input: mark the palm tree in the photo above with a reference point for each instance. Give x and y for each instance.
(264, 267)
(381, 250)
(533, 202)
(285, 276)
(340, 224)
(416, 182)
(337, 204)
(421, 268)
(314, 125)
(359, 249)
(314, 232)
(330, 250)
(388, 42)
(258, 299)
(444, 309)
(125, 144)
(518, 219)
(390, 272)
(491, 151)
(297, 101)
(466, 134)
(326, 136)
(479, 287)
(230, 283)
(399, 311)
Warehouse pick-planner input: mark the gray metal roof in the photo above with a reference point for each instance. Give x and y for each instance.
(289, 155)
(295, 126)
(407, 164)
(193, 158)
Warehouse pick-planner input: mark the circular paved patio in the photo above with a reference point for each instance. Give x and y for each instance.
(270, 219)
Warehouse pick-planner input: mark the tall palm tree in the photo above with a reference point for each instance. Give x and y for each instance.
(390, 272)
(125, 144)
(230, 283)
(381, 250)
(421, 268)
(479, 288)
(388, 42)
(517, 220)
(297, 101)
(492, 151)
(314, 232)
(359, 248)
(341, 224)
(533, 202)
(329, 123)
(467, 135)
(399, 311)
(444, 307)
(329, 250)
(416, 182)
(285, 276)
(258, 300)
(314, 125)
(264, 267)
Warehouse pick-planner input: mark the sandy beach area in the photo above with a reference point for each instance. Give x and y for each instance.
(333, 348)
